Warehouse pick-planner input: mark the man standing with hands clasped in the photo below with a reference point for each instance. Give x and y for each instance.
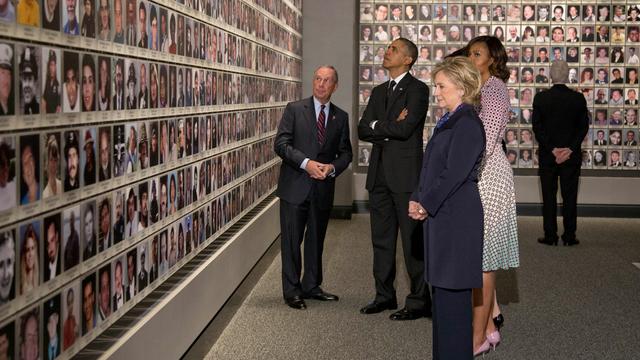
(560, 123)
(393, 122)
(313, 142)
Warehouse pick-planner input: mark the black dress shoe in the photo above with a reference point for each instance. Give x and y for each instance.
(548, 241)
(322, 296)
(296, 302)
(376, 307)
(409, 314)
(570, 242)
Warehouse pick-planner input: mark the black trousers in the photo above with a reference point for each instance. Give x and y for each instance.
(389, 212)
(569, 175)
(294, 220)
(452, 324)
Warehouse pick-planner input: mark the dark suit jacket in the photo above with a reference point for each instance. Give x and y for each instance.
(560, 119)
(398, 144)
(587, 37)
(297, 139)
(448, 190)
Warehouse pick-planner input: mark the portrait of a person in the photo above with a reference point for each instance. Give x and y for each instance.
(51, 321)
(8, 195)
(143, 94)
(143, 274)
(131, 289)
(132, 150)
(104, 233)
(118, 217)
(88, 25)
(104, 293)
(143, 38)
(153, 25)
(118, 286)
(131, 23)
(88, 83)
(70, 17)
(104, 148)
(7, 266)
(118, 31)
(118, 81)
(70, 89)
(29, 89)
(70, 329)
(30, 166)
(50, 102)
(131, 225)
(89, 232)
(30, 257)
(71, 223)
(7, 11)
(28, 12)
(104, 83)
(53, 262)
(143, 206)
(6, 79)
(89, 318)
(119, 151)
(30, 335)
(104, 21)
(131, 101)
(72, 161)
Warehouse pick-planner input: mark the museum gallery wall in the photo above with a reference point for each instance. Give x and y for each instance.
(132, 133)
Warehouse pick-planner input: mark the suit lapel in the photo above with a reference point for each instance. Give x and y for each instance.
(310, 114)
(331, 124)
(400, 89)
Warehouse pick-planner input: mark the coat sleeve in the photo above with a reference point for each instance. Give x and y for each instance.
(365, 132)
(466, 148)
(417, 105)
(582, 125)
(283, 144)
(538, 127)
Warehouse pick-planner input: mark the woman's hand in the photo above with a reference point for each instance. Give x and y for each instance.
(403, 115)
(416, 211)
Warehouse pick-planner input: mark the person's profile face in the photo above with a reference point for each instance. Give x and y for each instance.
(324, 84)
(7, 263)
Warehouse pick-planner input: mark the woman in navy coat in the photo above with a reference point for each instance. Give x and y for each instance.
(447, 198)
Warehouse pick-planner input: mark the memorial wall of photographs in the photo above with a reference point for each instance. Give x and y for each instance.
(132, 133)
(599, 40)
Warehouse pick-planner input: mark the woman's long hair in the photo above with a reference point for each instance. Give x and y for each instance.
(496, 51)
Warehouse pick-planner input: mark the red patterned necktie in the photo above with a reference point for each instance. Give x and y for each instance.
(321, 118)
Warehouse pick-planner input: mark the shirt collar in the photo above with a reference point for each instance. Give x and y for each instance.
(400, 77)
(317, 104)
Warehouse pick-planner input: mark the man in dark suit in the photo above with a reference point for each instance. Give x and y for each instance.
(143, 275)
(394, 169)
(313, 142)
(560, 123)
(52, 265)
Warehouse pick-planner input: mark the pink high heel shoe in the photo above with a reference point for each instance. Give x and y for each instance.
(494, 339)
(483, 349)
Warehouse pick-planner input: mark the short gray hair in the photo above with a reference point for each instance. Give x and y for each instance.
(335, 72)
(559, 72)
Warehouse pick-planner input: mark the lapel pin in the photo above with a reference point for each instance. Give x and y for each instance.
(400, 89)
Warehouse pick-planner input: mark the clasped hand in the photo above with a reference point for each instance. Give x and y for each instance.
(416, 211)
(561, 154)
(318, 170)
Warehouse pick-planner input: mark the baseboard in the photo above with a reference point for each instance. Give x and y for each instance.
(342, 212)
(535, 209)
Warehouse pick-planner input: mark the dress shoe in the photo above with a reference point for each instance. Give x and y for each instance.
(408, 314)
(376, 307)
(570, 242)
(322, 296)
(494, 339)
(498, 321)
(483, 349)
(548, 241)
(296, 302)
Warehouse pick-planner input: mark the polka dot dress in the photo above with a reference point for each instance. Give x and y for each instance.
(496, 183)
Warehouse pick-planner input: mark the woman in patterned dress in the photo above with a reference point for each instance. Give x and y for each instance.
(496, 188)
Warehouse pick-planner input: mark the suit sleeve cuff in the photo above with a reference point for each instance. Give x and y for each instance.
(303, 166)
(373, 125)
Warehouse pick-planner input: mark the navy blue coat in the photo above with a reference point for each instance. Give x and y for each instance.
(448, 190)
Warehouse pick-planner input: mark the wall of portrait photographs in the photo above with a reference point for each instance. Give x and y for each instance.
(132, 133)
(600, 41)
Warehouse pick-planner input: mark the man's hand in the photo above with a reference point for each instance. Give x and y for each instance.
(403, 115)
(327, 169)
(315, 170)
(416, 211)
(561, 154)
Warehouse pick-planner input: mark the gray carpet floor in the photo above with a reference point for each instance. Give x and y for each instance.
(578, 302)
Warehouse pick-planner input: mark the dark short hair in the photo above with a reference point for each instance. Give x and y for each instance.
(412, 49)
